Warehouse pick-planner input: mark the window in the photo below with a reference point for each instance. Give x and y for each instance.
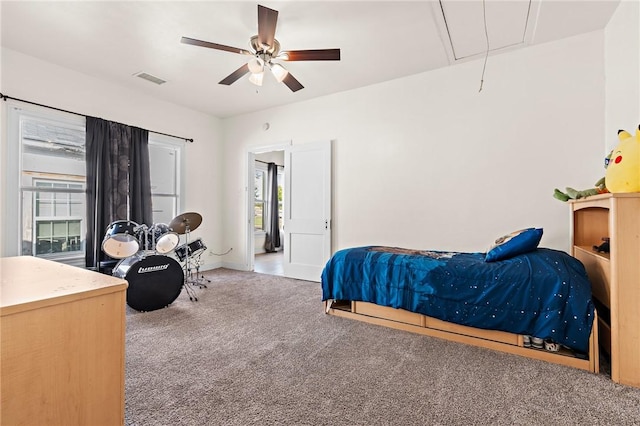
(58, 218)
(165, 163)
(260, 204)
(45, 213)
(52, 187)
(260, 191)
(280, 199)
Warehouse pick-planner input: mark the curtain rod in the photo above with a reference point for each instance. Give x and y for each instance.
(5, 97)
(264, 162)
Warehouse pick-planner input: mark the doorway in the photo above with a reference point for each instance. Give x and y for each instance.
(268, 245)
(307, 224)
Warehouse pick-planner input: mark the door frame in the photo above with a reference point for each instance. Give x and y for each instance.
(251, 152)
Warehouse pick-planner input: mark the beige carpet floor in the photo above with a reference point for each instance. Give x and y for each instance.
(258, 350)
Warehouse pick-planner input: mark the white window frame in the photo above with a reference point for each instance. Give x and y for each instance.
(12, 198)
(262, 168)
(12, 225)
(178, 145)
(54, 218)
(281, 203)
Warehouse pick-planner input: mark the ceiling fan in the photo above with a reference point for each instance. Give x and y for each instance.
(265, 51)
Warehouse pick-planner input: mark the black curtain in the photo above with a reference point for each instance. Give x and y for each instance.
(118, 180)
(272, 226)
(140, 178)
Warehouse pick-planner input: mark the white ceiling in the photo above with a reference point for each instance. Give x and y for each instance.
(379, 41)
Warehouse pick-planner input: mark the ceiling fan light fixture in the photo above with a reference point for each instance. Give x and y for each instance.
(256, 78)
(279, 72)
(256, 66)
(265, 48)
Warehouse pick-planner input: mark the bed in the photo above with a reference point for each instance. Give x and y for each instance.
(497, 304)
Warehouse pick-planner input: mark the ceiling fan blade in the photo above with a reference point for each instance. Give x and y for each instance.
(292, 83)
(234, 76)
(310, 55)
(193, 41)
(267, 20)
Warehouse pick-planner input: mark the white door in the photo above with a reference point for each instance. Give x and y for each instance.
(307, 210)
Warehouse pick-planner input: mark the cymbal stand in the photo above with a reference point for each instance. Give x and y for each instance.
(187, 268)
(199, 280)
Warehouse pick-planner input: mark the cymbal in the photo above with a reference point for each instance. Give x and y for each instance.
(184, 221)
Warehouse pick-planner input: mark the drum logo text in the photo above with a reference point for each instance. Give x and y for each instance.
(153, 268)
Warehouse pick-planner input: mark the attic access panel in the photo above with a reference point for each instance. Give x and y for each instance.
(464, 22)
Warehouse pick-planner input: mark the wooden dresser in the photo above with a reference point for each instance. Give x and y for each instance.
(615, 276)
(62, 344)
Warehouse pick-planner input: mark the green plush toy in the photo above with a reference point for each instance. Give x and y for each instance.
(574, 194)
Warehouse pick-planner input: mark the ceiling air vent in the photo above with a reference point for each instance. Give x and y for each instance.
(149, 77)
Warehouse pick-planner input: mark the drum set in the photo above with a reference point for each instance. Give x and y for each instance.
(156, 267)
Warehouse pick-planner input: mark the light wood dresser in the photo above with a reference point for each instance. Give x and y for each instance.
(615, 276)
(62, 344)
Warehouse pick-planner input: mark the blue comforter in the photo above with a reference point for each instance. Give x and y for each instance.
(543, 293)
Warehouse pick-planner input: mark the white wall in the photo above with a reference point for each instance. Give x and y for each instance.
(271, 157)
(424, 161)
(622, 70)
(428, 162)
(28, 78)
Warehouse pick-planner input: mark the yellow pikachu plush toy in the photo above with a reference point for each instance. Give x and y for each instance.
(623, 171)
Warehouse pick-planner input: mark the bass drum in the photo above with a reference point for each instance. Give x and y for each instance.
(154, 281)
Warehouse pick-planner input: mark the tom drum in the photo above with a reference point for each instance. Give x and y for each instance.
(120, 239)
(165, 239)
(194, 248)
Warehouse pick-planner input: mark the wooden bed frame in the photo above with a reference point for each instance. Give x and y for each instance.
(497, 340)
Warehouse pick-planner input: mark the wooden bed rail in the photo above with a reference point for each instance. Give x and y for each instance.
(400, 319)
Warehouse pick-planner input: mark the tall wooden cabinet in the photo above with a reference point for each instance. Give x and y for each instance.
(615, 276)
(62, 344)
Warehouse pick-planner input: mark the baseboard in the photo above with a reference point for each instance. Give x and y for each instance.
(236, 266)
(227, 265)
(211, 266)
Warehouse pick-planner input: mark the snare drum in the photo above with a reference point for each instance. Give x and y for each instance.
(164, 238)
(120, 239)
(194, 248)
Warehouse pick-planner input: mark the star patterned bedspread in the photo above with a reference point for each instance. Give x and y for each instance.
(543, 293)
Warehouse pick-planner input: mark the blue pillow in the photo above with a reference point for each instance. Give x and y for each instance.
(513, 244)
